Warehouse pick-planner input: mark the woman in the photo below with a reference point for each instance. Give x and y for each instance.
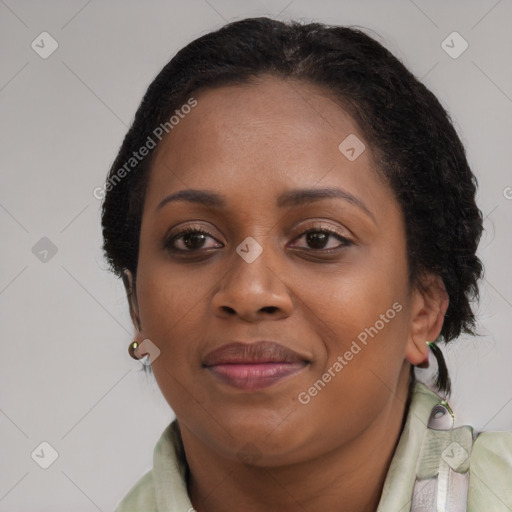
(294, 220)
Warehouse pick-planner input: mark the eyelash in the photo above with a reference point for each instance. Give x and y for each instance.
(168, 244)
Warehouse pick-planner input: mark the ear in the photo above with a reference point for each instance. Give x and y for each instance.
(429, 305)
(131, 294)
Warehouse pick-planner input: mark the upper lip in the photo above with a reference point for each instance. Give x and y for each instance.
(264, 351)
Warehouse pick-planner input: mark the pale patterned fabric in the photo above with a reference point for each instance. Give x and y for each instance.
(427, 463)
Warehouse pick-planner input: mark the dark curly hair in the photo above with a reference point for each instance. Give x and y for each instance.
(419, 152)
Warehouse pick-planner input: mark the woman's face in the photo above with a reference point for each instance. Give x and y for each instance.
(337, 299)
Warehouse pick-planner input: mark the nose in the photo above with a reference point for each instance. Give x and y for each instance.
(253, 291)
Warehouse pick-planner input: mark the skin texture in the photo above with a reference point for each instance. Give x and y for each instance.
(251, 143)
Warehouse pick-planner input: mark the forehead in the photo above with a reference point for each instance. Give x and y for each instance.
(266, 137)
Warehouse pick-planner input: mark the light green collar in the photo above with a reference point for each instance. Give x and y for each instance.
(398, 486)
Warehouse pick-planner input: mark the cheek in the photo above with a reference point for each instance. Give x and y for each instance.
(362, 319)
(363, 322)
(362, 294)
(169, 309)
(168, 305)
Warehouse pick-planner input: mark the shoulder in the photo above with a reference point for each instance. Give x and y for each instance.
(490, 472)
(163, 488)
(141, 497)
(458, 466)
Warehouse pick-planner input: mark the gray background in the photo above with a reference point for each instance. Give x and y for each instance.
(66, 377)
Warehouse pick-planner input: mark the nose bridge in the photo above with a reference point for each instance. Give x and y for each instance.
(251, 266)
(251, 281)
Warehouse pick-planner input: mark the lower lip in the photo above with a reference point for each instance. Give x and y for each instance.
(251, 377)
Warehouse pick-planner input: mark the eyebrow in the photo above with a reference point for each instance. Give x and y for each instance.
(290, 198)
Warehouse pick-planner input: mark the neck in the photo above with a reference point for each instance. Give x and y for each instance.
(351, 475)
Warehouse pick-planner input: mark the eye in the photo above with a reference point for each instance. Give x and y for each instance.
(317, 238)
(190, 238)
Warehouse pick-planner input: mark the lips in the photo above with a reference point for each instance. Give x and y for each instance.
(253, 366)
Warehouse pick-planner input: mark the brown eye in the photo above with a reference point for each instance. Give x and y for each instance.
(190, 238)
(318, 238)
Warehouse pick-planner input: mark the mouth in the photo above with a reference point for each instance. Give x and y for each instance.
(253, 366)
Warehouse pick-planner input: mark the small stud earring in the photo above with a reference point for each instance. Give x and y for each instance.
(132, 349)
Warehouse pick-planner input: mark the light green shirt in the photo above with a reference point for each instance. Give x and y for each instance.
(432, 470)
